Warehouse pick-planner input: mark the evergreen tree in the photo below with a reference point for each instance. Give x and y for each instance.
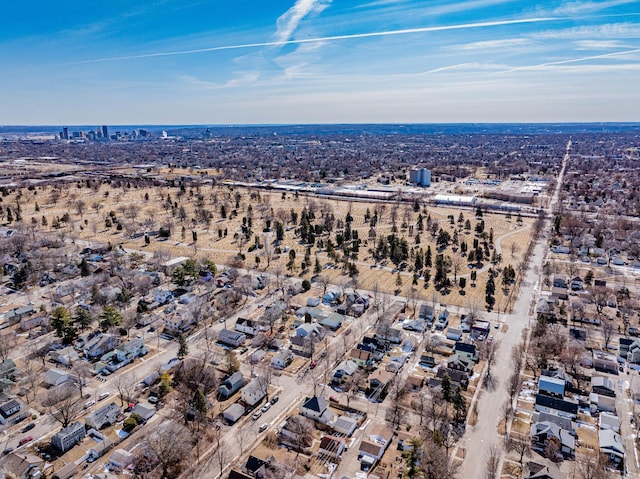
(459, 406)
(82, 318)
(318, 267)
(84, 268)
(183, 349)
(446, 388)
(110, 317)
(199, 403)
(62, 324)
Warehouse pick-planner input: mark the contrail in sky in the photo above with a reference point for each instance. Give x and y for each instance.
(405, 31)
(573, 60)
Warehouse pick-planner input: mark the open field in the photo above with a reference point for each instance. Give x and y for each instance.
(227, 223)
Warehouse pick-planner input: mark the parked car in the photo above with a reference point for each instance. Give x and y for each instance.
(103, 396)
(313, 364)
(256, 415)
(28, 427)
(275, 399)
(25, 440)
(263, 427)
(266, 407)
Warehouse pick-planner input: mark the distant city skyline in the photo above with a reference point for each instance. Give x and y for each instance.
(319, 61)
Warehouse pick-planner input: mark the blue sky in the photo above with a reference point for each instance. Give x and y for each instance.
(318, 61)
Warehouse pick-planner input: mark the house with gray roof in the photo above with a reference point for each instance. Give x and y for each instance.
(104, 416)
(254, 392)
(607, 420)
(131, 349)
(231, 338)
(611, 445)
(345, 426)
(541, 432)
(231, 385)
(145, 410)
(313, 330)
(603, 385)
(8, 369)
(101, 345)
(333, 321)
(282, 359)
(56, 377)
(68, 437)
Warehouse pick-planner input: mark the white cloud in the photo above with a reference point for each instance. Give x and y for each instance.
(245, 78)
(288, 22)
(582, 8)
(494, 44)
(598, 44)
(605, 31)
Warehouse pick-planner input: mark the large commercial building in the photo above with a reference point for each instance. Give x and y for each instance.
(420, 176)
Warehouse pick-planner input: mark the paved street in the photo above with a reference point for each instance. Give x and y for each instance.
(479, 438)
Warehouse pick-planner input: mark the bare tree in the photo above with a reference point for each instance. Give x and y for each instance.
(599, 296)
(31, 378)
(125, 384)
(396, 413)
(302, 430)
(264, 377)
(608, 328)
(63, 404)
(80, 371)
(592, 466)
(243, 436)
(198, 311)
(493, 462)
(520, 444)
(168, 447)
(324, 282)
(7, 343)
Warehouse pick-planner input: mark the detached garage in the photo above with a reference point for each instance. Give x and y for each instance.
(233, 413)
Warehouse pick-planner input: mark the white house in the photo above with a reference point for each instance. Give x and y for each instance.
(27, 323)
(317, 408)
(254, 392)
(65, 356)
(55, 377)
(100, 345)
(282, 359)
(611, 445)
(131, 349)
(104, 416)
(161, 296)
(231, 338)
(247, 326)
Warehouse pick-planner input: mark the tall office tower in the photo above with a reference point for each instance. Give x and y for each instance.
(105, 132)
(65, 133)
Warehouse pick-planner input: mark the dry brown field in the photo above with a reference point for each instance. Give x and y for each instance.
(146, 209)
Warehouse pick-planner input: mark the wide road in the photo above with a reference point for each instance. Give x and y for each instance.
(479, 438)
